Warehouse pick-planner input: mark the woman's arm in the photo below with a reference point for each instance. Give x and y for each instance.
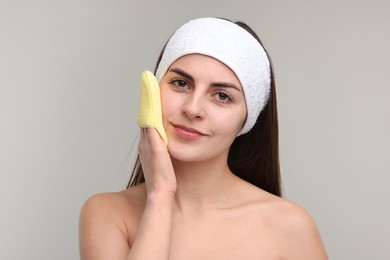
(153, 237)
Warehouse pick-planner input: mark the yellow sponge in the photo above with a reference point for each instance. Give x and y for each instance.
(150, 112)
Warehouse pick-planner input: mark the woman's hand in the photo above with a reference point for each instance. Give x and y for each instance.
(156, 163)
(152, 240)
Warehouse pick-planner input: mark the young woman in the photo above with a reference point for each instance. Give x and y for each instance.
(214, 191)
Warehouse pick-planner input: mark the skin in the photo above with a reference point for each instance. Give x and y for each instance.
(191, 206)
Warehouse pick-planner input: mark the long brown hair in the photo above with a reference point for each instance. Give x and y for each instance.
(254, 156)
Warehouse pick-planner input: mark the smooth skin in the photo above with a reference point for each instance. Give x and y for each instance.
(191, 205)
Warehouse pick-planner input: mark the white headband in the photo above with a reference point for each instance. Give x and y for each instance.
(233, 46)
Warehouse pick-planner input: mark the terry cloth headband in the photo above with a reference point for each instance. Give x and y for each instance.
(233, 46)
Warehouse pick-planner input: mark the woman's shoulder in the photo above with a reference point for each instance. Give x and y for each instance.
(282, 208)
(290, 216)
(292, 224)
(132, 198)
(274, 207)
(279, 211)
(115, 214)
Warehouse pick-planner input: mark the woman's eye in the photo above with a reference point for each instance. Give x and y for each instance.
(179, 83)
(223, 97)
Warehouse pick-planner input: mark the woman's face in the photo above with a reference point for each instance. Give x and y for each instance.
(203, 108)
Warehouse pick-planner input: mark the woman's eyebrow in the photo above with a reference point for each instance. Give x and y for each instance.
(225, 85)
(214, 84)
(182, 73)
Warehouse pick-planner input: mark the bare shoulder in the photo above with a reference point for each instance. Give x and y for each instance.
(108, 223)
(301, 233)
(114, 204)
(287, 213)
(283, 226)
(296, 228)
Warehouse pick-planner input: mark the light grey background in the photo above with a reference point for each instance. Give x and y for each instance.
(69, 73)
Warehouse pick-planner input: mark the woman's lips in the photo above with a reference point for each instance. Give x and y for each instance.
(187, 132)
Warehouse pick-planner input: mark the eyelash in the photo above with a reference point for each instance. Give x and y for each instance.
(178, 83)
(182, 83)
(226, 95)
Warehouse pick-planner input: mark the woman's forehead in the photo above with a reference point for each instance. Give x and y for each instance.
(203, 65)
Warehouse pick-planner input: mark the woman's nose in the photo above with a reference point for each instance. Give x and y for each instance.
(194, 107)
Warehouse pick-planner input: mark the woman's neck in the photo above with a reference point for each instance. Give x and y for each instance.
(203, 185)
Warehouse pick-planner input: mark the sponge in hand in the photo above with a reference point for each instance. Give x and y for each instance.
(150, 112)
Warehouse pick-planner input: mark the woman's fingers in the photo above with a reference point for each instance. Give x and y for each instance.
(141, 140)
(150, 136)
(156, 162)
